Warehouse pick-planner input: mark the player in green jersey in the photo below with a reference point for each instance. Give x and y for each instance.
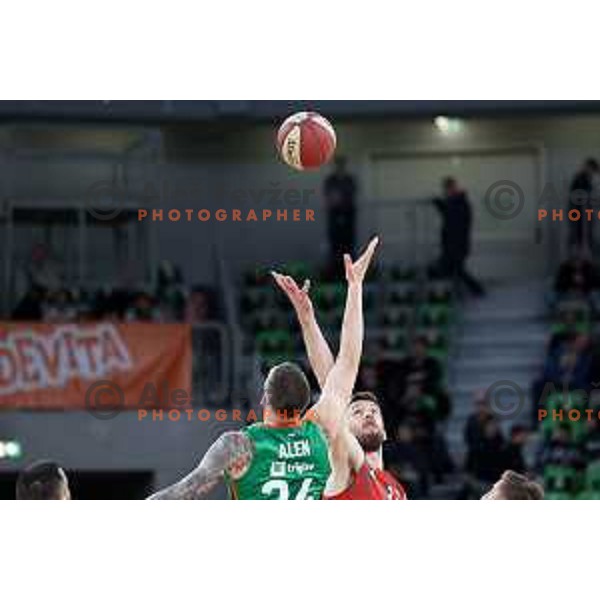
(286, 457)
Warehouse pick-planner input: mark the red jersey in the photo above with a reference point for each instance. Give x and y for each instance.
(371, 484)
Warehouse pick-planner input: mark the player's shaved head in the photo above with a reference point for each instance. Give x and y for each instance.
(514, 486)
(43, 480)
(287, 389)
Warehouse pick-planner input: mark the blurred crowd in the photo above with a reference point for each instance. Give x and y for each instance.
(415, 406)
(47, 299)
(569, 451)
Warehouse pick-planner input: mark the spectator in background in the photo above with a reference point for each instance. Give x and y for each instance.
(455, 210)
(143, 309)
(567, 326)
(340, 200)
(485, 459)
(581, 194)
(569, 364)
(170, 291)
(43, 270)
(561, 450)
(514, 459)
(568, 367)
(406, 459)
(591, 445)
(29, 307)
(59, 307)
(423, 373)
(576, 275)
(476, 421)
(199, 308)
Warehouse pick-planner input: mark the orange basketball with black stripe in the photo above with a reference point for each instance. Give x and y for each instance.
(306, 140)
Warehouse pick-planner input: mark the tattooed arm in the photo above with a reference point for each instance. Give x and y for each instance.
(231, 453)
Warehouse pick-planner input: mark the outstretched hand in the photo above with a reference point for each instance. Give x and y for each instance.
(298, 296)
(355, 272)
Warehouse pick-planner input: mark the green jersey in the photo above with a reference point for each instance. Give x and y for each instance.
(289, 463)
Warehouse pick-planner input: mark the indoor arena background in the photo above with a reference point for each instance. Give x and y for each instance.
(461, 371)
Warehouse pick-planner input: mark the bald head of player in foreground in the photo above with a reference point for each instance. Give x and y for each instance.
(286, 456)
(43, 480)
(514, 486)
(356, 449)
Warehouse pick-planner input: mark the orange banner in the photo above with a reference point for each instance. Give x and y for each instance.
(95, 366)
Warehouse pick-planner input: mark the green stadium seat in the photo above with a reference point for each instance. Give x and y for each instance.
(560, 478)
(299, 270)
(270, 359)
(434, 315)
(437, 339)
(440, 354)
(258, 297)
(397, 316)
(439, 292)
(588, 495)
(565, 402)
(270, 319)
(557, 496)
(592, 477)
(400, 294)
(329, 296)
(401, 273)
(394, 340)
(256, 277)
(274, 341)
(580, 327)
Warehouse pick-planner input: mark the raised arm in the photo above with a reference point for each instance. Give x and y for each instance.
(231, 453)
(317, 348)
(340, 381)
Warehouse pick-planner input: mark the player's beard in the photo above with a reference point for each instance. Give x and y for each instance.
(370, 440)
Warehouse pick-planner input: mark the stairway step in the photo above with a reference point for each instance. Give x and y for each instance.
(498, 362)
(492, 351)
(511, 337)
(501, 337)
(490, 330)
(504, 314)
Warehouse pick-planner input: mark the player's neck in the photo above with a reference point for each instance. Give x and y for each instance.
(272, 420)
(374, 459)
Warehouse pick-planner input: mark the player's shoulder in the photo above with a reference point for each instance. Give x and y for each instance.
(235, 438)
(310, 424)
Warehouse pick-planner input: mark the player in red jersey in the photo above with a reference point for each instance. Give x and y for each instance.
(356, 451)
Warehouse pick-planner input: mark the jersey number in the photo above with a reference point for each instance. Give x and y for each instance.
(282, 489)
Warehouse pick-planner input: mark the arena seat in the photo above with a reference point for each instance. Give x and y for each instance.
(560, 478)
(592, 477)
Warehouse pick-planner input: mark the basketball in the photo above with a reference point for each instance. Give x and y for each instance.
(306, 140)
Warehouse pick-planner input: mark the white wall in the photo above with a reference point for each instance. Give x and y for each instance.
(246, 159)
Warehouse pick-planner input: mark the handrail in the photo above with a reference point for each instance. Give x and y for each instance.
(232, 317)
(222, 393)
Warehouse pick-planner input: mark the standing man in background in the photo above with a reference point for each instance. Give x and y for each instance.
(340, 201)
(581, 194)
(457, 219)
